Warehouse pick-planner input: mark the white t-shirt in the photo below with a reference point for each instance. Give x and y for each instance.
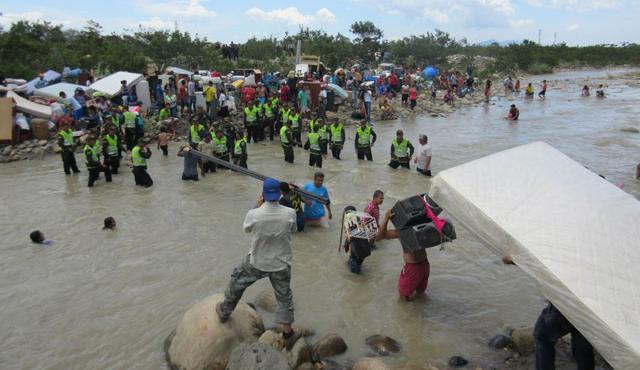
(423, 152)
(223, 100)
(367, 96)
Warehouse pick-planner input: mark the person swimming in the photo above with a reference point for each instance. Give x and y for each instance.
(514, 113)
(109, 223)
(585, 91)
(529, 91)
(37, 237)
(600, 92)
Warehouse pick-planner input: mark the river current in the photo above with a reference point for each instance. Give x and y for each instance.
(107, 300)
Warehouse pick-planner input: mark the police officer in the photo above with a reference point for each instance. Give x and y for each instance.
(323, 131)
(401, 151)
(251, 122)
(196, 132)
(93, 162)
(336, 137)
(269, 116)
(365, 138)
(296, 129)
(286, 140)
(139, 155)
(315, 151)
(111, 149)
(240, 150)
(130, 132)
(222, 145)
(65, 142)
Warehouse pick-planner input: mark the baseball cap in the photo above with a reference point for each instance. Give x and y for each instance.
(271, 190)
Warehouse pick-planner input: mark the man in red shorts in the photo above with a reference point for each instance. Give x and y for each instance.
(414, 276)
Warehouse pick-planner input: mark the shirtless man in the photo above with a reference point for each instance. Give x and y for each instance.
(414, 275)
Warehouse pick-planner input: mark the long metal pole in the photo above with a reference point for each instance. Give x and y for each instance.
(255, 175)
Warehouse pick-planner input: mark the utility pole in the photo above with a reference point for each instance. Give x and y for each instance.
(539, 36)
(298, 51)
(554, 38)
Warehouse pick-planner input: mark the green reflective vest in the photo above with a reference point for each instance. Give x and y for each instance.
(336, 133)
(268, 111)
(136, 158)
(364, 136)
(112, 145)
(251, 114)
(324, 134)
(91, 154)
(67, 137)
(283, 135)
(221, 145)
(129, 119)
(312, 125)
(314, 142)
(284, 115)
(238, 147)
(401, 150)
(115, 120)
(195, 133)
(295, 121)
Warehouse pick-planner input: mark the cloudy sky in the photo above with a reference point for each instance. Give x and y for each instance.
(577, 22)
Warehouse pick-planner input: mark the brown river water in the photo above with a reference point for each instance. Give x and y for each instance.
(107, 300)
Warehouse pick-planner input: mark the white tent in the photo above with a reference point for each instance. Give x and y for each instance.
(575, 233)
(179, 71)
(27, 106)
(110, 85)
(53, 91)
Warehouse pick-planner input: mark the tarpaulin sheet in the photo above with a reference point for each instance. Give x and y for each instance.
(575, 233)
(110, 85)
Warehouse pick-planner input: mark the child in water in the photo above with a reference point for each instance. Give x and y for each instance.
(600, 92)
(585, 91)
(357, 248)
(38, 237)
(109, 223)
(529, 91)
(514, 113)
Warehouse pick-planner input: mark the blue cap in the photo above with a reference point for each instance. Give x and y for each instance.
(271, 190)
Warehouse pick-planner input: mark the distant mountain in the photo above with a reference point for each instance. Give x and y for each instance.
(501, 43)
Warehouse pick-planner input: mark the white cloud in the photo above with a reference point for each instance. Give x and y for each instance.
(517, 23)
(503, 6)
(291, 16)
(435, 15)
(573, 27)
(154, 23)
(537, 3)
(586, 5)
(175, 8)
(54, 17)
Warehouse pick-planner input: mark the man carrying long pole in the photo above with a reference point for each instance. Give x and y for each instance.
(271, 226)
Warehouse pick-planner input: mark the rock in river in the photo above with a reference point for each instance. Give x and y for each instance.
(458, 361)
(329, 345)
(500, 341)
(383, 345)
(201, 341)
(370, 363)
(256, 356)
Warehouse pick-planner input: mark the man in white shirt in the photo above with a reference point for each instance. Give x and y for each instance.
(191, 91)
(271, 226)
(367, 102)
(423, 156)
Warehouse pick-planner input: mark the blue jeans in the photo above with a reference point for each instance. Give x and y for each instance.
(367, 108)
(354, 265)
(550, 327)
(300, 221)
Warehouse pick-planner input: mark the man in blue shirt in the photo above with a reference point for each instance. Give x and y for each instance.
(315, 213)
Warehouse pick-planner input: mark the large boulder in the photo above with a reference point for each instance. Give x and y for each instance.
(383, 345)
(256, 356)
(328, 346)
(370, 363)
(273, 339)
(201, 341)
(523, 341)
(299, 353)
(266, 300)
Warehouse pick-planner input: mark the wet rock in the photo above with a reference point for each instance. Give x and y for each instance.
(632, 130)
(415, 367)
(7, 150)
(201, 341)
(273, 339)
(15, 158)
(458, 361)
(13, 152)
(299, 353)
(42, 142)
(57, 149)
(523, 341)
(39, 153)
(500, 341)
(306, 366)
(255, 356)
(328, 346)
(27, 150)
(383, 345)
(370, 363)
(266, 300)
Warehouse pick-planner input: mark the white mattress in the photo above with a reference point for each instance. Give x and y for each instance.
(110, 85)
(27, 106)
(53, 91)
(575, 233)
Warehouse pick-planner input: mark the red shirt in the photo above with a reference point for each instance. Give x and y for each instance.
(248, 93)
(413, 93)
(393, 80)
(374, 210)
(284, 93)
